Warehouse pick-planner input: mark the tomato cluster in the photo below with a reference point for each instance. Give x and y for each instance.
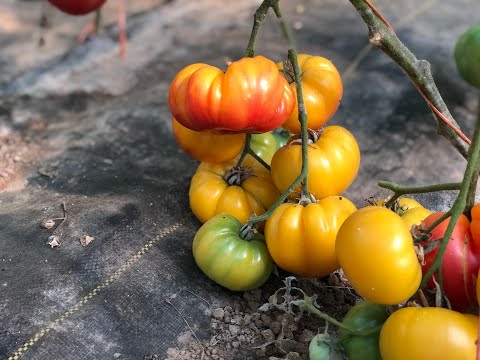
(379, 248)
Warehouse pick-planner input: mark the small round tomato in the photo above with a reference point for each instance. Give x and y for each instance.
(301, 239)
(467, 55)
(376, 253)
(322, 91)
(321, 348)
(264, 145)
(363, 317)
(460, 264)
(227, 259)
(429, 334)
(224, 188)
(333, 162)
(252, 96)
(206, 146)
(76, 7)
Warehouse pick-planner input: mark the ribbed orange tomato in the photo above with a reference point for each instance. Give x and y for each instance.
(322, 91)
(333, 162)
(301, 239)
(252, 96)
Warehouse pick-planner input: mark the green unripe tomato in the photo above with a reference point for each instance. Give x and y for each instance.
(227, 259)
(264, 145)
(363, 317)
(467, 56)
(320, 348)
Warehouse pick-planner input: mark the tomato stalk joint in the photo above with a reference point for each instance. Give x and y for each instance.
(238, 174)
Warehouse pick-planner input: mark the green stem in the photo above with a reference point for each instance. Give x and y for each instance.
(460, 203)
(418, 71)
(287, 32)
(437, 222)
(307, 304)
(259, 159)
(258, 17)
(472, 190)
(400, 190)
(246, 149)
(302, 117)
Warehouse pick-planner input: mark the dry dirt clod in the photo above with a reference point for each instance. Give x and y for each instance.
(53, 241)
(85, 240)
(48, 224)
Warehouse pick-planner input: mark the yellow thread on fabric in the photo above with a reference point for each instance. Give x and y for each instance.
(22, 349)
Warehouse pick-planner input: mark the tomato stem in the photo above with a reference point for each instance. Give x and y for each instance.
(382, 36)
(302, 117)
(400, 190)
(246, 149)
(308, 305)
(259, 16)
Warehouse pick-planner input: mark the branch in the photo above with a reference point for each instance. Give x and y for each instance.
(382, 36)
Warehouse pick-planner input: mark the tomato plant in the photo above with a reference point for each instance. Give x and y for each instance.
(301, 239)
(227, 259)
(322, 91)
(467, 55)
(460, 264)
(75, 7)
(363, 317)
(333, 161)
(206, 146)
(429, 333)
(224, 188)
(251, 96)
(376, 253)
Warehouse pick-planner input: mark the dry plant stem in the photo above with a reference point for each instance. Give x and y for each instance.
(302, 117)
(460, 203)
(400, 190)
(417, 70)
(98, 20)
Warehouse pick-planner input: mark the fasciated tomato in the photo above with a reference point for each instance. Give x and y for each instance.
(252, 96)
(76, 7)
(366, 316)
(333, 162)
(206, 146)
(460, 264)
(429, 334)
(227, 259)
(322, 91)
(225, 188)
(376, 253)
(301, 239)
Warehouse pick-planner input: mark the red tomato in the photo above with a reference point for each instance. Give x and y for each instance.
(252, 96)
(460, 264)
(77, 7)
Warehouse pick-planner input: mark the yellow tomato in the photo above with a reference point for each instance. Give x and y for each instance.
(301, 239)
(322, 91)
(376, 253)
(212, 193)
(207, 146)
(333, 162)
(415, 216)
(429, 334)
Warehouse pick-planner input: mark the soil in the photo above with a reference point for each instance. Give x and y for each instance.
(261, 326)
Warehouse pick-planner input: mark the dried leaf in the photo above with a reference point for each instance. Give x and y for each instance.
(48, 224)
(85, 240)
(53, 241)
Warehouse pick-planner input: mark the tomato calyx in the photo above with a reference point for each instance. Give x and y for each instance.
(313, 136)
(237, 175)
(247, 231)
(288, 72)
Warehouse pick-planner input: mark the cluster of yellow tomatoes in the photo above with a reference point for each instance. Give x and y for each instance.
(213, 110)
